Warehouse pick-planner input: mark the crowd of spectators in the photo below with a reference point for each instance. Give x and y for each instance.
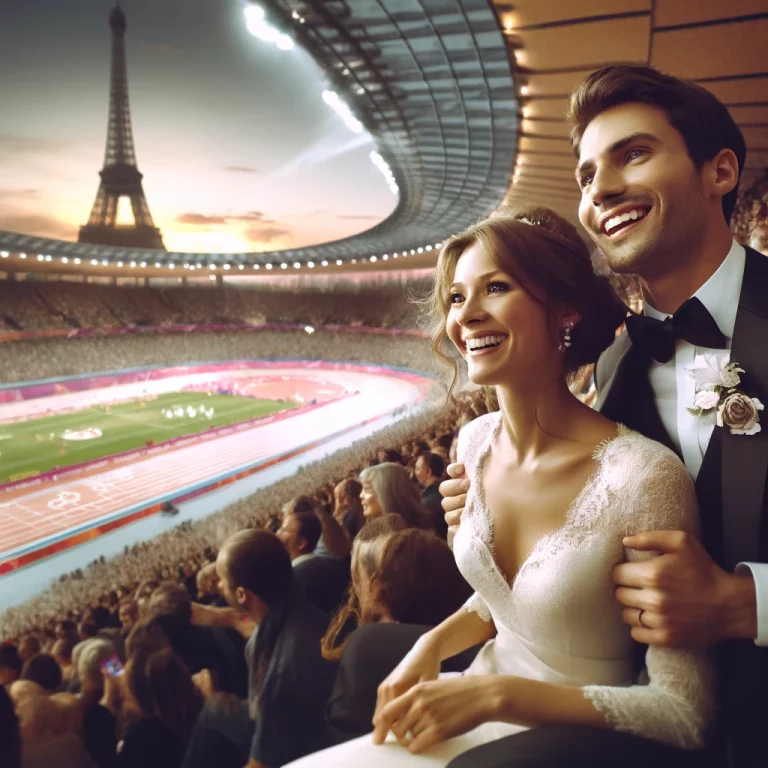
(33, 359)
(34, 305)
(156, 650)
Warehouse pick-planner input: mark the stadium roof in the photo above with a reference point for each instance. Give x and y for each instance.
(458, 93)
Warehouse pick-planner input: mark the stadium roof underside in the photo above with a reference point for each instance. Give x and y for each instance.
(432, 81)
(439, 98)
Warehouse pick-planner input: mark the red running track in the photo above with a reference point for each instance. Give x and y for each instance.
(64, 513)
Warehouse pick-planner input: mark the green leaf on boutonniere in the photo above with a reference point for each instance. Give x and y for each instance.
(694, 411)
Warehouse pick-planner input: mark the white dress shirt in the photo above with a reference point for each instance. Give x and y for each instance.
(674, 390)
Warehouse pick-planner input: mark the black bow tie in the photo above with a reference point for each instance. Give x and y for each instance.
(692, 323)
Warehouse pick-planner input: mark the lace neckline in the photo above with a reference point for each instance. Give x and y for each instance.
(598, 455)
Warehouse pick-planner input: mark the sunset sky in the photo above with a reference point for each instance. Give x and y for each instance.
(238, 150)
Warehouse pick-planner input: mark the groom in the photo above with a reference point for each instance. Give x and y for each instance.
(667, 153)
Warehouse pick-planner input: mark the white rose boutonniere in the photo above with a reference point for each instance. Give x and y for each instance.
(717, 389)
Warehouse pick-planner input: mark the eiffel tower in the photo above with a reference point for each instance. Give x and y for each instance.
(120, 176)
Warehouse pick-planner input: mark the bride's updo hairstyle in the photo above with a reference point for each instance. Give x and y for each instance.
(543, 253)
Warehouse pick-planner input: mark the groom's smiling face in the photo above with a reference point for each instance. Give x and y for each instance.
(641, 195)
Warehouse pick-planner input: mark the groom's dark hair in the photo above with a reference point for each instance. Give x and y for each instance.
(701, 119)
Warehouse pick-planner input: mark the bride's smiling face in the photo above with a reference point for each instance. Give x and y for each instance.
(500, 330)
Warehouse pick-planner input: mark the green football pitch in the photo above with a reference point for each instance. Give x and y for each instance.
(28, 448)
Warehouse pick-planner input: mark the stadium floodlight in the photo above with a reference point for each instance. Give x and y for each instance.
(64, 260)
(77, 261)
(255, 266)
(104, 262)
(373, 258)
(332, 99)
(211, 266)
(40, 257)
(419, 250)
(437, 245)
(428, 248)
(384, 257)
(4, 254)
(240, 267)
(22, 255)
(133, 265)
(413, 253)
(296, 265)
(49, 258)
(311, 264)
(354, 261)
(283, 266)
(119, 263)
(383, 166)
(227, 266)
(394, 255)
(269, 266)
(158, 264)
(94, 261)
(339, 262)
(171, 265)
(309, 329)
(258, 26)
(323, 263)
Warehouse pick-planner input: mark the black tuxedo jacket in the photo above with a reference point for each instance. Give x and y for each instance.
(731, 490)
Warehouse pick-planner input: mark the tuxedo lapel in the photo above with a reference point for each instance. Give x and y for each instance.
(745, 458)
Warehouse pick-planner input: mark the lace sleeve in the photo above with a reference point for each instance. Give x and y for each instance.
(677, 705)
(477, 605)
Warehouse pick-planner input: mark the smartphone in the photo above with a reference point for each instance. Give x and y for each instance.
(112, 666)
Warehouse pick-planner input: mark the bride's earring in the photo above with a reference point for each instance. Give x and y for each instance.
(565, 335)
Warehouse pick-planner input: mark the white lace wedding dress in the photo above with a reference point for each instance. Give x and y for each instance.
(558, 621)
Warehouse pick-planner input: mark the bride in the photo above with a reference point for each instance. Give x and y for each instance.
(555, 487)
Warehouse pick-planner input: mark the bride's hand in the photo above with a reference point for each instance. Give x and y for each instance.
(420, 665)
(454, 493)
(430, 713)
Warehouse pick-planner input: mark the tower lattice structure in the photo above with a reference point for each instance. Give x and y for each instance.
(120, 176)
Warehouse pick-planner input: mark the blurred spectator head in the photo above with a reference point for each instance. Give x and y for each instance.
(255, 572)
(29, 645)
(87, 629)
(10, 735)
(389, 455)
(365, 552)
(10, 664)
(128, 613)
(386, 489)
(90, 655)
(62, 651)
(67, 629)
(158, 683)
(43, 670)
(300, 533)
(415, 580)
(171, 599)
(149, 633)
(546, 257)
(348, 506)
(429, 468)
(207, 581)
(300, 504)
(347, 493)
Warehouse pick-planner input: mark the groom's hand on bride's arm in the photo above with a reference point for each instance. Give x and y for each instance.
(682, 598)
(454, 493)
